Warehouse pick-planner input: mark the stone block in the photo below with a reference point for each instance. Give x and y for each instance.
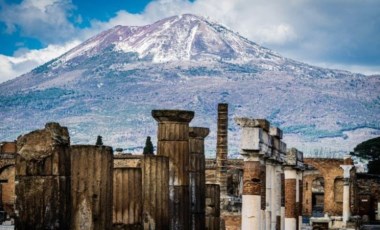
(275, 132)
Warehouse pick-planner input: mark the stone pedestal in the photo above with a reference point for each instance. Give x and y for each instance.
(43, 179)
(173, 142)
(197, 176)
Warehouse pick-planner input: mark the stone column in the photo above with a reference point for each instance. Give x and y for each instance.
(347, 166)
(290, 198)
(197, 176)
(268, 198)
(43, 179)
(155, 182)
(212, 207)
(91, 187)
(254, 145)
(222, 150)
(293, 166)
(173, 142)
(299, 200)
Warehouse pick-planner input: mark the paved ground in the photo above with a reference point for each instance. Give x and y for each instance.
(370, 227)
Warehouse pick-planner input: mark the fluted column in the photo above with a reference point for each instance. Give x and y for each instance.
(173, 142)
(197, 176)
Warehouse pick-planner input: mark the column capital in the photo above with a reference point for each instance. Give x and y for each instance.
(346, 170)
(198, 132)
(173, 115)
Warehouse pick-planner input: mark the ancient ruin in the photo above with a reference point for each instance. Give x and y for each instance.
(46, 183)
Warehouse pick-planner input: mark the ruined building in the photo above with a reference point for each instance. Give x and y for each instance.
(47, 183)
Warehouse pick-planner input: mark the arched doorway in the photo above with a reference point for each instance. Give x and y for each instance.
(318, 196)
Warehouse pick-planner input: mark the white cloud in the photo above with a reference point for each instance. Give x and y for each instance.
(46, 20)
(11, 67)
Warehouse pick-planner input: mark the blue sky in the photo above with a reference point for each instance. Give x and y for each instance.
(343, 34)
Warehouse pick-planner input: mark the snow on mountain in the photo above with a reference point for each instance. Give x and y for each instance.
(108, 85)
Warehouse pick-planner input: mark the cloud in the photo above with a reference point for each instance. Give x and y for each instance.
(26, 60)
(46, 20)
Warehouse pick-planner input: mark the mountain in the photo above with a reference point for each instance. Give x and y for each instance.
(109, 84)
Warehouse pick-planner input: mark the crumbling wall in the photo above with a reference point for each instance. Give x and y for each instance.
(43, 179)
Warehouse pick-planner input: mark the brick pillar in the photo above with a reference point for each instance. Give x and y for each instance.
(347, 166)
(43, 179)
(197, 176)
(173, 142)
(290, 198)
(293, 172)
(91, 187)
(254, 146)
(222, 151)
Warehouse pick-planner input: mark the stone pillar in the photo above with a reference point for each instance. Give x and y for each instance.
(282, 201)
(268, 198)
(155, 172)
(254, 146)
(290, 198)
(222, 150)
(293, 172)
(91, 187)
(277, 158)
(300, 196)
(127, 198)
(173, 142)
(43, 179)
(212, 207)
(347, 166)
(197, 176)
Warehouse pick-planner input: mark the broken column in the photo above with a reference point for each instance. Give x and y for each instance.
(347, 166)
(212, 207)
(43, 179)
(91, 187)
(127, 198)
(173, 142)
(293, 166)
(222, 150)
(155, 192)
(254, 146)
(197, 176)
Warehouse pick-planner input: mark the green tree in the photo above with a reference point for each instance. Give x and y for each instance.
(148, 149)
(99, 140)
(369, 150)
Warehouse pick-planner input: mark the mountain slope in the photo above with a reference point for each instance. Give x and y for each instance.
(108, 85)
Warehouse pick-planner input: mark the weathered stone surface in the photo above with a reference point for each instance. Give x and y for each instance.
(252, 179)
(222, 148)
(127, 161)
(91, 187)
(212, 206)
(173, 142)
(253, 123)
(275, 132)
(197, 176)
(43, 179)
(127, 197)
(172, 115)
(155, 181)
(290, 198)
